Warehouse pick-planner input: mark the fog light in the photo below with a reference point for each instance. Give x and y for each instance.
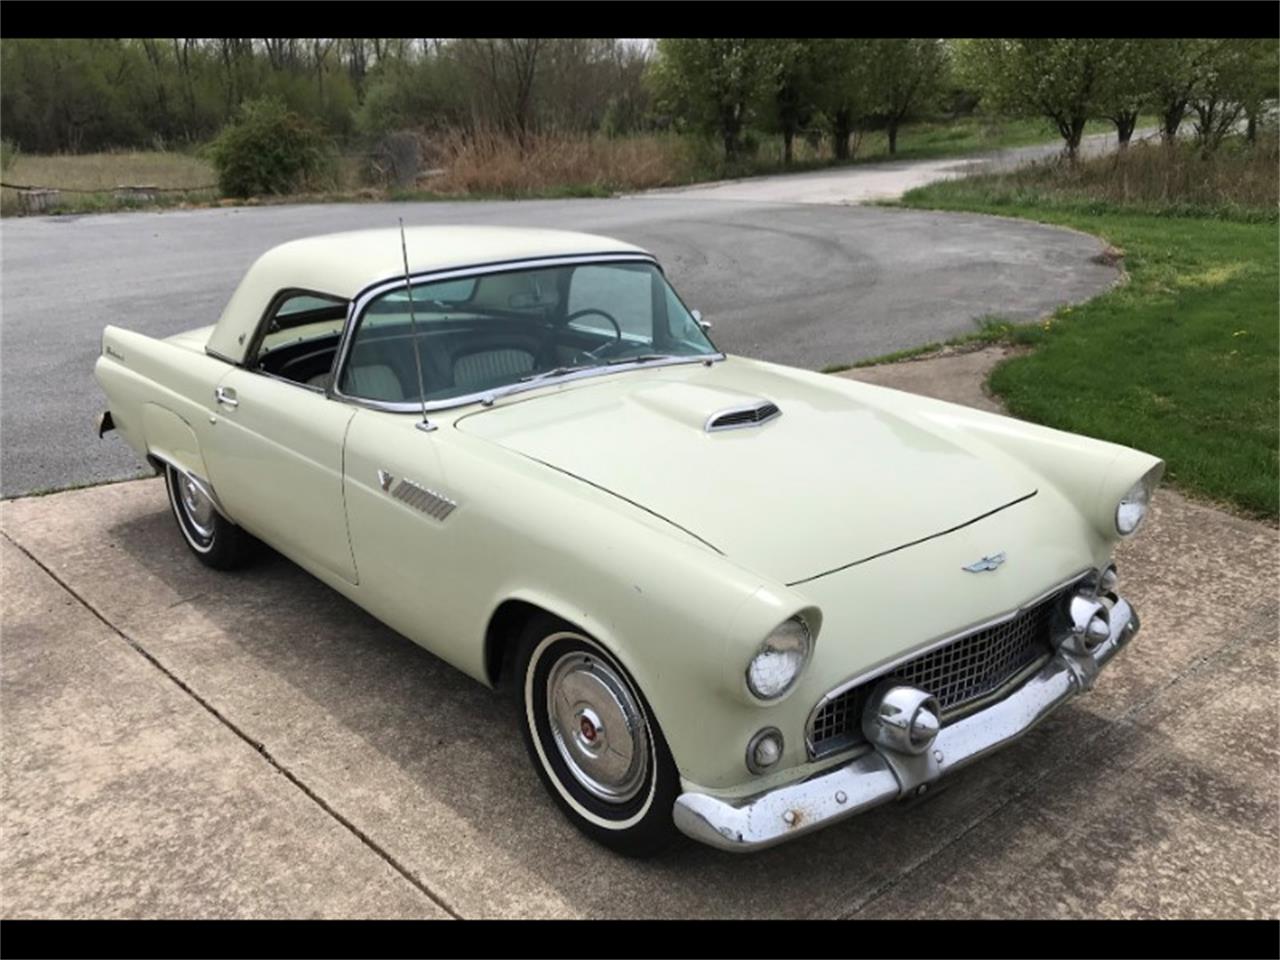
(764, 750)
(902, 718)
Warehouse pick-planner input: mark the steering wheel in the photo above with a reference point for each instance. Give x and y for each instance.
(617, 330)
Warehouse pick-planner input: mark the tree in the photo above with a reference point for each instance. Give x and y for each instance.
(902, 76)
(1230, 78)
(423, 92)
(715, 83)
(1127, 84)
(845, 100)
(1177, 68)
(794, 87)
(1063, 80)
(1261, 82)
(504, 72)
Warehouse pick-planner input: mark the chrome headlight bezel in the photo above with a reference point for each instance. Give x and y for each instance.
(780, 644)
(1132, 508)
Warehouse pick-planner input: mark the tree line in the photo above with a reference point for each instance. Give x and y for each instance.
(839, 87)
(88, 94)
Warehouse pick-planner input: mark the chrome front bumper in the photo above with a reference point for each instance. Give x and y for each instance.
(882, 775)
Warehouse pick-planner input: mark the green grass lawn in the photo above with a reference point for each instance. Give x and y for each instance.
(927, 140)
(1182, 361)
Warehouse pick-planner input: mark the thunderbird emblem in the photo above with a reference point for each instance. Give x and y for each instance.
(986, 563)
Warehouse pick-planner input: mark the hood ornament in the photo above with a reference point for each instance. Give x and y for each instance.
(986, 563)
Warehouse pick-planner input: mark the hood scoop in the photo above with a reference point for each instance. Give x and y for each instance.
(745, 415)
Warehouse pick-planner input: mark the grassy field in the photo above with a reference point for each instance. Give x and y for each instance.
(1183, 360)
(488, 167)
(101, 173)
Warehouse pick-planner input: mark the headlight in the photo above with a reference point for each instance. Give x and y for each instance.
(779, 660)
(1133, 505)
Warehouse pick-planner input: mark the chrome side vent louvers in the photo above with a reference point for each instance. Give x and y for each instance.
(420, 498)
(748, 415)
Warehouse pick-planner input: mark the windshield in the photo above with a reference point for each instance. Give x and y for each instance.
(497, 330)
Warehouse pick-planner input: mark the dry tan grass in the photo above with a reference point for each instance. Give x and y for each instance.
(1159, 176)
(106, 171)
(489, 163)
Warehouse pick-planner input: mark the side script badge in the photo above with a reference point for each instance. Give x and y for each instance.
(986, 563)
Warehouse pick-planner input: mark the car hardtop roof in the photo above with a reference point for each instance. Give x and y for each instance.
(343, 264)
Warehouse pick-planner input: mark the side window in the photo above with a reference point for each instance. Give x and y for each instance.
(300, 338)
(623, 291)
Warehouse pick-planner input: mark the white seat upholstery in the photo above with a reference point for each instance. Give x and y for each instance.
(486, 367)
(374, 382)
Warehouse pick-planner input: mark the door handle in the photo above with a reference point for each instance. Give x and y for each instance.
(225, 396)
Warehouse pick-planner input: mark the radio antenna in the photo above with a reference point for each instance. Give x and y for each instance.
(425, 425)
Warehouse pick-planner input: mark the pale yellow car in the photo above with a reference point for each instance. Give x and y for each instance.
(736, 599)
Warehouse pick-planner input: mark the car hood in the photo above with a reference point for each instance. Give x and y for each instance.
(829, 482)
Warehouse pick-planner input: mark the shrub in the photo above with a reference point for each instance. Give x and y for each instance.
(268, 149)
(8, 155)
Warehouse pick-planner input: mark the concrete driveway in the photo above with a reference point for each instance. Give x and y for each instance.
(185, 743)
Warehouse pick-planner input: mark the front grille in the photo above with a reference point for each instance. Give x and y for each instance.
(957, 674)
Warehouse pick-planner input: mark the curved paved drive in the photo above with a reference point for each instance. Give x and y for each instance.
(804, 284)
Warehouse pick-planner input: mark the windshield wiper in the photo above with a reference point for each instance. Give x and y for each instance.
(642, 358)
(556, 372)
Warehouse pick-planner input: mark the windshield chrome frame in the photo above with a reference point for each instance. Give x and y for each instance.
(486, 397)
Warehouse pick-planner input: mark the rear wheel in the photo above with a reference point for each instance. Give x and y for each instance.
(594, 740)
(214, 539)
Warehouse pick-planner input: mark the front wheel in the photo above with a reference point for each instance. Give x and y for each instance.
(594, 740)
(214, 539)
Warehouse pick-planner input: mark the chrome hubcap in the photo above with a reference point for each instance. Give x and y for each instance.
(197, 507)
(598, 727)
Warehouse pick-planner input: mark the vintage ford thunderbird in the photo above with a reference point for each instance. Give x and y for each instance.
(735, 599)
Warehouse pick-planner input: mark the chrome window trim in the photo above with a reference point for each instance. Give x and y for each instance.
(885, 668)
(359, 303)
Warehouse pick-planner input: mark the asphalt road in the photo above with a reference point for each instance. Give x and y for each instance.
(803, 284)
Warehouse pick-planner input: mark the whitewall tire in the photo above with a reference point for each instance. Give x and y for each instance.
(594, 740)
